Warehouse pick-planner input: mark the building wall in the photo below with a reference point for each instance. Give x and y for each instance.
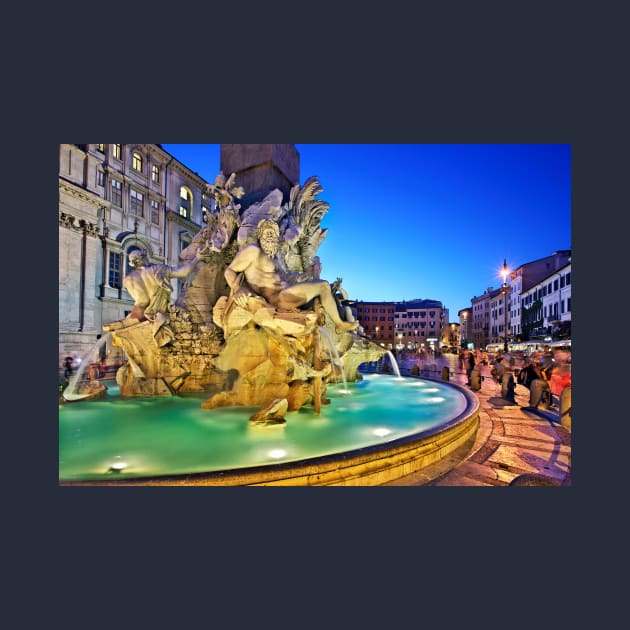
(528, 279)
(400, 323)
(94, 225)
(465, 322)
(373, 315)
(481, 319)
(554, 292)
(498, 305)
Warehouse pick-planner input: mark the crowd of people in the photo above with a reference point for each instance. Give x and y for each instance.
(553, 368)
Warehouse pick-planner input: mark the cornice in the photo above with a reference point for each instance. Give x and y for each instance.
(180, 220)
(77, 225)
(80, 193)
(186, 172)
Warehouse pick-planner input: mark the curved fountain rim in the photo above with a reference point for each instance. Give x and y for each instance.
(472, 409)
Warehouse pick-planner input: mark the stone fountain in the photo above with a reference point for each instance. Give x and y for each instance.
(248, 327)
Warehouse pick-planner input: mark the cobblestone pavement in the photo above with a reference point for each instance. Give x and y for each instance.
(513, 446)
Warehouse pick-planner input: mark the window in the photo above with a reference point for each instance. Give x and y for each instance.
(568, 276)
(136, 202)
(116, 192)
(155, 174)
(155, 212)
(100, 178)
(114, 270)
(555, 285)
(100, 148)
(185, 202)
(117, 151)
(136, 162)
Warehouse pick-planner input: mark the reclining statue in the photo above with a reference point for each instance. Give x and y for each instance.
(256, 270)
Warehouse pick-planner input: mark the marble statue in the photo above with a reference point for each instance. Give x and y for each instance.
(255, 270)
(150, 286)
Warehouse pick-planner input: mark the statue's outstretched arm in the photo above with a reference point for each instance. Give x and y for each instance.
(185, 270)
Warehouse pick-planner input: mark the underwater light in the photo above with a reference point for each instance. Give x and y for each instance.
(118, 466)
(381, 431)
(277, 453)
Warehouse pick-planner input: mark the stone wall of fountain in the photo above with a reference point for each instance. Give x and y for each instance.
(244, 351)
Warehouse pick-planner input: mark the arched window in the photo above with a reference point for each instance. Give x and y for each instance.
(136, 162)
(185, 202)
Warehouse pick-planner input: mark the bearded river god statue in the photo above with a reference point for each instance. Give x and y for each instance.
(247, 328)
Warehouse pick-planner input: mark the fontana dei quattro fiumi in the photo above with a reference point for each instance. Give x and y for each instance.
(252, 375)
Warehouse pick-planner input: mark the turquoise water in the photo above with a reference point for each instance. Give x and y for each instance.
(150, 437)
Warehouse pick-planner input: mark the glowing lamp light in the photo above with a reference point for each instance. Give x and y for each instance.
(505, 272)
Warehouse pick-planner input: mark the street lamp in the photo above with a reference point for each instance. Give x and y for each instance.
(504, 273)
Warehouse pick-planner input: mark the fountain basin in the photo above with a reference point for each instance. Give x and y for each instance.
(384, 429)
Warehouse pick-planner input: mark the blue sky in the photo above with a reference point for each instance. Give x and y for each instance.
(413, 221)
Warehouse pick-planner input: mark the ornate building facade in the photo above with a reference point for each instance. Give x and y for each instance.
(113, 199)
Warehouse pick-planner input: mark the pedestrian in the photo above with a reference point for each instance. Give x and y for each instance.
(534, 371)
(498, 370)
(559, 377)
(470, 364)
(538, 384)
(523, 374)
(67, 367)
(547, 362)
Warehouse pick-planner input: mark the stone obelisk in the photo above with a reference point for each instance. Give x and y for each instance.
(260, 168)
